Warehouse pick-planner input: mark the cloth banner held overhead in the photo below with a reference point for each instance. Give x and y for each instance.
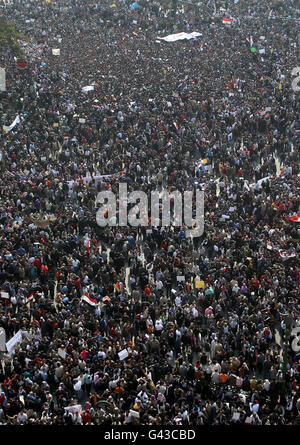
(74, 409)
(133, 6)
(294, 218)
(180, 36)
(287, 255)
(56, 52)
(10, 127)
(87, 88)
(2, 79)
(11, 344)
(226, 21)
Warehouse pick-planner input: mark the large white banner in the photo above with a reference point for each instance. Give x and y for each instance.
(87, 88)
(74, 409)
(11, 344)
(11, 126)
(180, 36)
(2, 79)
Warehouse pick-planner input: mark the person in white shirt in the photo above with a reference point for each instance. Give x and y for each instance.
(215, 377)
(266, 385)
(159, 285)
(178, 300)
(158, 325)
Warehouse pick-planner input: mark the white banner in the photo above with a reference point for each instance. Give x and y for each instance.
(2, 79)
(62, 353)
(10, 345)
(74, 409)
(56, 52)
(2, 340)
(180, 36)
(134, 413)
(87, 88)
(10, 127)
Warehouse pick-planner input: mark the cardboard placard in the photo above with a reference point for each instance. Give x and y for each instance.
(199, 284)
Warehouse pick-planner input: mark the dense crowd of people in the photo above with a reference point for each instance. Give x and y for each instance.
(215, 113)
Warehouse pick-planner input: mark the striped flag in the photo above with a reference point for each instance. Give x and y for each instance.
(226, 21)
(89, 299)
(31, 296)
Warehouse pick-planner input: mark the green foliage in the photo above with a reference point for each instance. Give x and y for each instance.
(9, 36)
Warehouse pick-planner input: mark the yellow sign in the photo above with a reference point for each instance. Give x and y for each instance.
(199, 284)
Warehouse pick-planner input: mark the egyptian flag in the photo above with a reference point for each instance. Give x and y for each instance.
(89, 299)
(226, 21)
(294, 218)
(88, 245)
(31, 296)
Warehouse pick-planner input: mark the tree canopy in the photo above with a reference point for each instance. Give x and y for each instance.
(9, 36)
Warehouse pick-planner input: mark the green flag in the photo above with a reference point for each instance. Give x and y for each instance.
(253, 50)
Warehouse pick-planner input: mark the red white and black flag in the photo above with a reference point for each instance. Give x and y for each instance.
(89, 299)
(31, 296)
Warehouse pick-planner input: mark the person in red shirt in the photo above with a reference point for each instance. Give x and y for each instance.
(86, 417)
(147, 291)
(84, 354)
(37, 263)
